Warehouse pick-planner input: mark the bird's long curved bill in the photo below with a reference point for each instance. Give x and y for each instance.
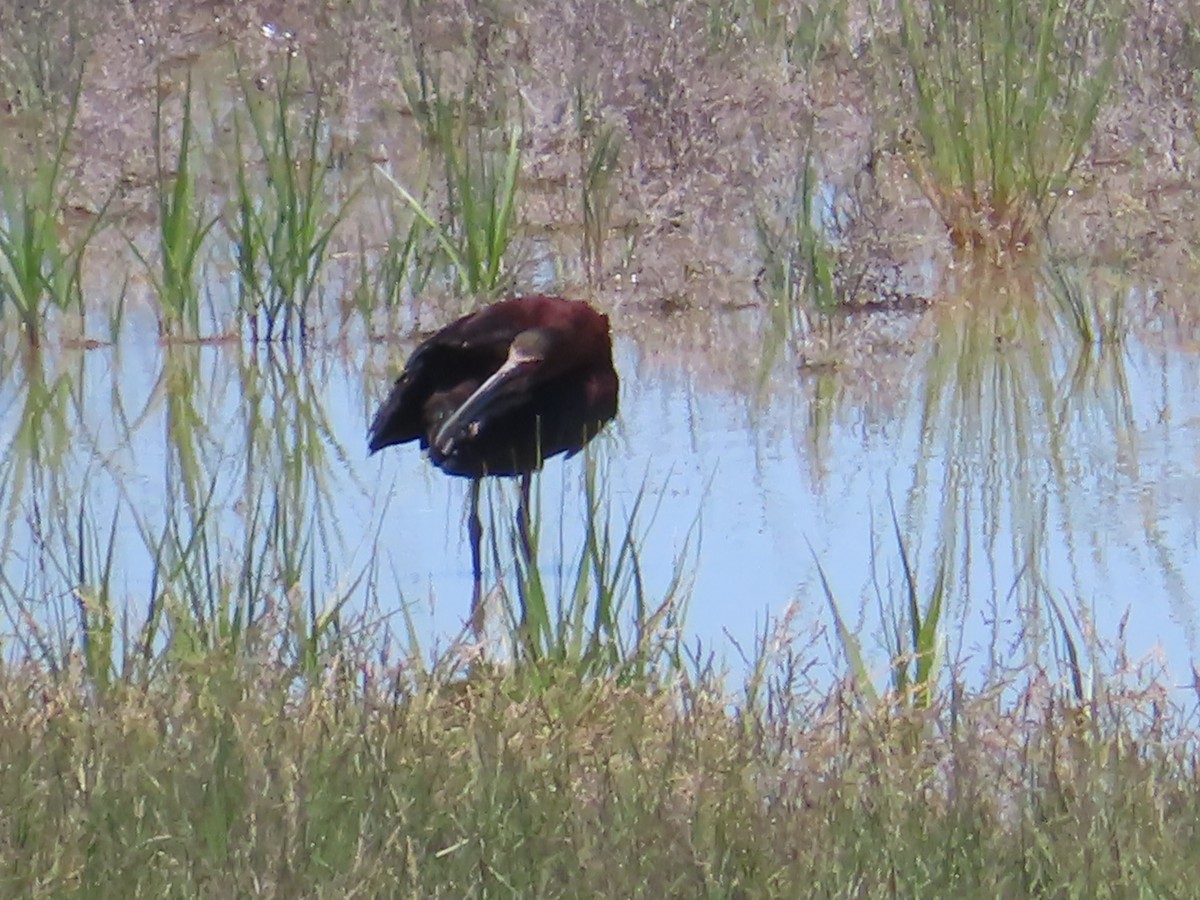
(474, 405)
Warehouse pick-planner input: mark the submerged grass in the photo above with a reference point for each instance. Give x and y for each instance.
(481, 168)
(599, 157)
(43, 44)
(389, 277)
(799, 255)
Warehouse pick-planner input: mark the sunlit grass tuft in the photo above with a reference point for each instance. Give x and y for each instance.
(481, 169)
(39, 271)
(912, 634)
(1006, 96)
(183, 226)
(594, 616)
(283, 220)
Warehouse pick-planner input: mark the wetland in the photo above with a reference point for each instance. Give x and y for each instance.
(892, 544)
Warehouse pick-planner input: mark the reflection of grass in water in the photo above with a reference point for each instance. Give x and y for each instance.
(1095, 398)
(35, 499)
(1012, 385)
(180, 387)
(1006, 96)
(211, 594)
(988, 409)
(1095, 313)
(243, 722)
(800, 276)
(279, 502)
(228, 547)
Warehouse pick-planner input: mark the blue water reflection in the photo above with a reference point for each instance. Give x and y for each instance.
(1101, 518)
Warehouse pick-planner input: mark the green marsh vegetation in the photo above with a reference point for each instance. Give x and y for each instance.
(284, 212)
(183, 226)
(1006, 100)
(39, 268)
(481, 183)
(211, 683)
(599, 158)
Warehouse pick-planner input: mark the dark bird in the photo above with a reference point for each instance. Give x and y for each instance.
(500, 391)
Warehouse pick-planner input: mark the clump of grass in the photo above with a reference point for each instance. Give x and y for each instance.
(596, 617)
(183, 227)
(800, 258)
(95, 596)
(481, 173)
(401, 269)
(38, 272)
(914, 658)
(281, 224)
(1006, 98)
(808, 268)
(599, 156)
(1095, 314)
(375, 779)
(43, 45)
(801, 30)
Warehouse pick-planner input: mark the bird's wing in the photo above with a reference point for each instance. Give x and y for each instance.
(472, 346)
(401, 416)
(491, 329)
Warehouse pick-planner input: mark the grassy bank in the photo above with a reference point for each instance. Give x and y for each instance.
(236, 775)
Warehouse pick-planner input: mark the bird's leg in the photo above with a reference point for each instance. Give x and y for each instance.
(475, 533)
(523, 519)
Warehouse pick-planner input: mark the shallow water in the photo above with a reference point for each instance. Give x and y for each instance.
(1053, 480)
(1038, 487)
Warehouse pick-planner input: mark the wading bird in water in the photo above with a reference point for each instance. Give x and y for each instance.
(500, 391)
